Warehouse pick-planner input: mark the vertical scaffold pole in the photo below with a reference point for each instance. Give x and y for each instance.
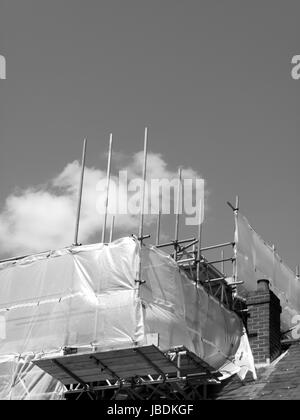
(178, 210)
(237, 203)
(222, 263)
(80, 193)
(112, 226)
(107, 188)
(236, 212)
(199, 240)
(141, 227)
(158, 227)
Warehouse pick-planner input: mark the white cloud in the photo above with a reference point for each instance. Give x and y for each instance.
(43, 218)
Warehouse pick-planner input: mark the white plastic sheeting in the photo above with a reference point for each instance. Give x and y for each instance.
(257, 260)
(21, 380)
(76, 296)
(182, 313)
(88, 295)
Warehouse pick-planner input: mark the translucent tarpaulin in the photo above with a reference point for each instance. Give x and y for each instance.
(185, 314)
(257, 260)
(20, 380)
(89, 296)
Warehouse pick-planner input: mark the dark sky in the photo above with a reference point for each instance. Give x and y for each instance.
(211, 80)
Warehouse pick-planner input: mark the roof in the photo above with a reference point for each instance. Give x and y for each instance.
(278, 381)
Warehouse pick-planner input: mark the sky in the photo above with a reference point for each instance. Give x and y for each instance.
(210, 79)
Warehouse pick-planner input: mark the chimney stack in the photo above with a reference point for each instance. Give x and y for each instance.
(264, 323)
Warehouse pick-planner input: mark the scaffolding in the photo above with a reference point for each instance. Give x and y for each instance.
(146, 371)
(142, 373)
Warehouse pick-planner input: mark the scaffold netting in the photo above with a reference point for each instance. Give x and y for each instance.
(89, 296)
(258, 260)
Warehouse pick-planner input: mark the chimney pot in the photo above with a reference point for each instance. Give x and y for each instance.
(263, 284)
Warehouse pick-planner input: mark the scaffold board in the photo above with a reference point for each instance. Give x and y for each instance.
(100, 366)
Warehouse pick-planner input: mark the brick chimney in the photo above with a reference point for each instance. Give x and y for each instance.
(263, 323)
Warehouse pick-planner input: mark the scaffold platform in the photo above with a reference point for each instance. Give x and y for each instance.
(136, 373)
